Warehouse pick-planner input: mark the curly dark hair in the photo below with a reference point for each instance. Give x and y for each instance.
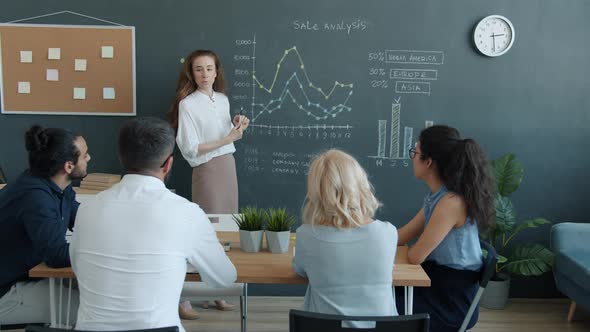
(463, 168)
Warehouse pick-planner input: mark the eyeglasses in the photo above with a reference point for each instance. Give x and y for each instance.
(172, 154)
(413, 153)
(165, 160)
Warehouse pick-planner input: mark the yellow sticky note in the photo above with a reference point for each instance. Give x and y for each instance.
(80, 64)
(26, 56)
(52, 75)
(108, 93)
(107, 52)
(24, 87)
(79, 93)
(54, 53)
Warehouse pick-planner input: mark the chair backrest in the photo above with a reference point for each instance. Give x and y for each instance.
(223, 222)
(489, 264)
(301, 321)
(487, 272)
(35, 328)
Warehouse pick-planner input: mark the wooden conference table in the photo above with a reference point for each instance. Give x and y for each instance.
(258, 268)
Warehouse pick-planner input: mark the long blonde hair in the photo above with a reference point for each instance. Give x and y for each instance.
(187, 84)
(339, 193)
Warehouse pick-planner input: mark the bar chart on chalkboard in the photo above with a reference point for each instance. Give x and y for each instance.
(400, 138)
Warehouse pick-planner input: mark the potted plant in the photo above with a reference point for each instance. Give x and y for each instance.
(519, 259)
(249, 222)
(278, 229)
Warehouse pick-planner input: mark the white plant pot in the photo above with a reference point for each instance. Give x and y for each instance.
(250, 241)
(278, 242)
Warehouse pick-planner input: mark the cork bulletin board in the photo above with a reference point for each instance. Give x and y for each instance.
(67, 70)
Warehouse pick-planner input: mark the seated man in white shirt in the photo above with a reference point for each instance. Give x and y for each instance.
(133, 241)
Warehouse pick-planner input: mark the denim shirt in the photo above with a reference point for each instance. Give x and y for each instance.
(34, 216)
(460, 249)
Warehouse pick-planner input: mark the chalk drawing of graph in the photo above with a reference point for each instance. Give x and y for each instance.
(291, 89)
(400, 141)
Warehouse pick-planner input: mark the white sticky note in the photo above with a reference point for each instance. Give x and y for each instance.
(79, 93)
(52, 75)
(24, 87)
(54, 53)
(80, 64)
(108, 93)
(107, 52)
(26, 56)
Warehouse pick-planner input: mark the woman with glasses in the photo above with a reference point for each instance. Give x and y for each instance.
(205, 134)
(446, 228)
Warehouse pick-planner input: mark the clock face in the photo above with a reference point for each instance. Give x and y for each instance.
(494, 35)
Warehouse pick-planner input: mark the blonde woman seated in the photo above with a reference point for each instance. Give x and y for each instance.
(346, 254)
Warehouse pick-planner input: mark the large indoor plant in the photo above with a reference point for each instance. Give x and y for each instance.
(518, 259)
(249, 222)
(278, 229)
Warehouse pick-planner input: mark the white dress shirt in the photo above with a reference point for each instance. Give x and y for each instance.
(202, 120)
(130, 251)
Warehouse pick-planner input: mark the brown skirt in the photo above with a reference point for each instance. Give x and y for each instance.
(215, 185)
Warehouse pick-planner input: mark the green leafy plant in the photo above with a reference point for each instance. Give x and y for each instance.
(278, 220)
(523, 259)
(249, 219)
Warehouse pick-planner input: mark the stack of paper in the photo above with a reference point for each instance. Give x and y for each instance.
(99, 181)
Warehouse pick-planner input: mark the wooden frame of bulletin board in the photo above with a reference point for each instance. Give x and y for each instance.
(67, 69)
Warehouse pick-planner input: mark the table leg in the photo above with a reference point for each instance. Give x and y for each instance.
(405, 300)
(69, 304)
(410, 300)
(60, 314)
(245, 312)
(52, 302)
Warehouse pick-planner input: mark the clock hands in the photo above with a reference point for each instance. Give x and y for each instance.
(493, 35)
(493, 42)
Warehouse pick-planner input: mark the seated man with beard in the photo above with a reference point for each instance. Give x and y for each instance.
(35, 211)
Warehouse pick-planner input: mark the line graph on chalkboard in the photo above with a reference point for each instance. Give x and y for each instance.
(285, 96)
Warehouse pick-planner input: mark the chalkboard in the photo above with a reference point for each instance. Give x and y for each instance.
(363, 76)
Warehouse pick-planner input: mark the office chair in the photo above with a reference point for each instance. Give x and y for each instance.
(35, 328)
(304, 321)
(488, 270)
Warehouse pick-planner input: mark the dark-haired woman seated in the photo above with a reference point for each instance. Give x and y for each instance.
(460, 200)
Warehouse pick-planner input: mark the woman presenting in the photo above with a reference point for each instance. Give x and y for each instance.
(205, 134)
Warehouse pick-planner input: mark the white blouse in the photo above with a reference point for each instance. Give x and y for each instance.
(202, 120)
